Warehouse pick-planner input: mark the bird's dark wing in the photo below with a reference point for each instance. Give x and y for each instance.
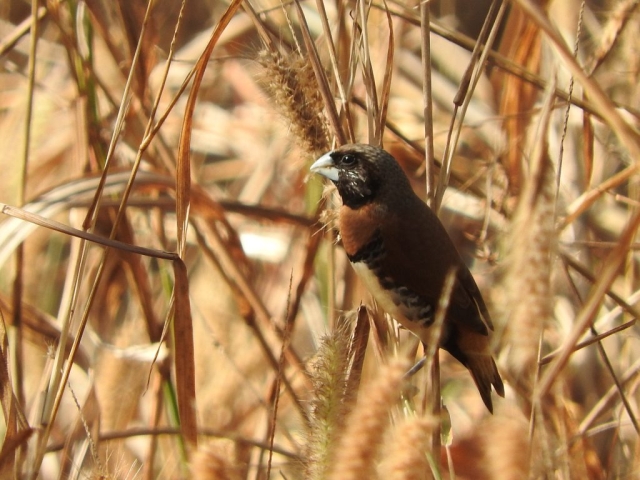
(419, 255)
(468, 284)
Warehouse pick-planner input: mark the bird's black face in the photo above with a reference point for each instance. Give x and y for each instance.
(357, 180)
(354, 172)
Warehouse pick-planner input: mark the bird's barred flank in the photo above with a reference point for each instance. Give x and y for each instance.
(415, 307)
(371, 252)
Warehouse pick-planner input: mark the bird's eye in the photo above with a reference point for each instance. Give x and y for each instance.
(348, 160)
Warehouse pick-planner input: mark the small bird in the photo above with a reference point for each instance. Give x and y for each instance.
(403, 254)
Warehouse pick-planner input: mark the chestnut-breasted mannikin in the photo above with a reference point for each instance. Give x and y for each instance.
(402, 253)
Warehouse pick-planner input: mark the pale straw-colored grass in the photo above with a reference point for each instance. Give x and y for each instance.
(142, 317)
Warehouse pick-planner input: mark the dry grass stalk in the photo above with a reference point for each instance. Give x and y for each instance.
(238, 174)
(215, 461)
(407, 454)
(123, 382)
(531, 245)
(292, 86)
(517, 96)
(328, 404)
(357, 451)
(506, 445)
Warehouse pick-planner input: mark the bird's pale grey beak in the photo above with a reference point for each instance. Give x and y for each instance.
(325, 167)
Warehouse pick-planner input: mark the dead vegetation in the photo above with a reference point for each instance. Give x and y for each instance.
(174, 300)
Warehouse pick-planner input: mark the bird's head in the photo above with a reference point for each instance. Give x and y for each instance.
(362, 173)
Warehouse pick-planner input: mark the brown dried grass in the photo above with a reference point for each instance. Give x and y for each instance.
(175, 291)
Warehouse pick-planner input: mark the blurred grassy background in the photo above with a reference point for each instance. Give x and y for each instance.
(213, 361)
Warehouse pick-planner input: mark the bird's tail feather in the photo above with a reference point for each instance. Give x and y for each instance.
(485, 373)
